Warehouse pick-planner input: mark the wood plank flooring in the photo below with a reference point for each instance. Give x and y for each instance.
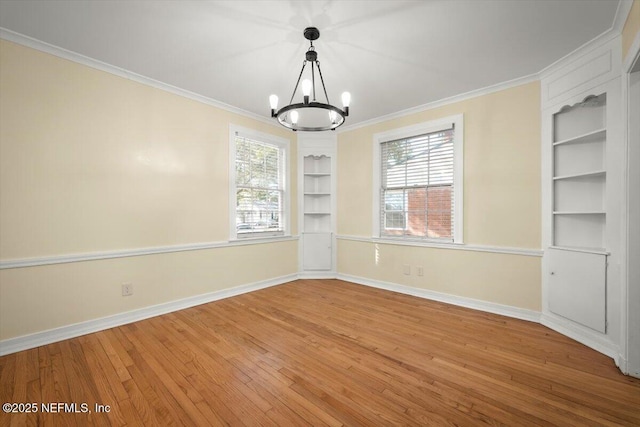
(321, 352)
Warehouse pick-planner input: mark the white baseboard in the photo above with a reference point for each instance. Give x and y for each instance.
(317, 275)
(623, 365)
(25, 342)
(490, 307)
(584, 336)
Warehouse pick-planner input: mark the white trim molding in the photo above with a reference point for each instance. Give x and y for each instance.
(489, 307)
(622, 14)
(41, 46)
(630, 320)
(25, 342)
(317, 275)
(632, 55)
(457, 247)
(124, 253)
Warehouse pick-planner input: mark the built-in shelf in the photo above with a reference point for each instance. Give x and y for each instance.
(581, 175)
(585, 137)
(579, 213)
(317, 189)
(317, 193)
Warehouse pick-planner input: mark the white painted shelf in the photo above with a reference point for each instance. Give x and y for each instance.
(579, 213)
(595, 135)
(581, 175)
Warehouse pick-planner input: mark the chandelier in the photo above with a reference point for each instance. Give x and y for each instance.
(310, 114)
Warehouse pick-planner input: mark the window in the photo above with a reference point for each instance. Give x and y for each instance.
(418, 182)
(259, 193)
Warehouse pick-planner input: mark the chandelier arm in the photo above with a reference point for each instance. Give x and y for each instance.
(322, 81)
(304, 64)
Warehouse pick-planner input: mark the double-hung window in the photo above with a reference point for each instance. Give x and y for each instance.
(418, 174)
(258, 190)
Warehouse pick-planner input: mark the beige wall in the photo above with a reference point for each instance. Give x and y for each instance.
(631, 28)
(501, 202)
(93, 162)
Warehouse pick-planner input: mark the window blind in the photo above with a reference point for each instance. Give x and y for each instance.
(259, 187)
(418, 185)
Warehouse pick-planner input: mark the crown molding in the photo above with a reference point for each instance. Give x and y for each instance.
(59, 52)
(633, 55)
(583, 50)
(442, 102)
(622, 14)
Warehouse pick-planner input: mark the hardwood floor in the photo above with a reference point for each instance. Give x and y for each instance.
(321, 352)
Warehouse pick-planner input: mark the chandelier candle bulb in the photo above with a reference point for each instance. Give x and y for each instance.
(346, 100)
(294, 117)
(273, 100)
(306, 90)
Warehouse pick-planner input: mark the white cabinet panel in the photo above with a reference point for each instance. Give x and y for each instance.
(317, 251)
(577, 287)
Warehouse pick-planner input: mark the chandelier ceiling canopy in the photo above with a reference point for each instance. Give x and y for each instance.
(310, 114)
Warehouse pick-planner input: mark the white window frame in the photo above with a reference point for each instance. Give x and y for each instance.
(283, 144)
(458, 177)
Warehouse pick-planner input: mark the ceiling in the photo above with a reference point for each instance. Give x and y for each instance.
(391, 55)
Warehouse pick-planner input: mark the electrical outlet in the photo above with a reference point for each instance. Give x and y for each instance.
(406, 269)
(127, 289)
(420, 270)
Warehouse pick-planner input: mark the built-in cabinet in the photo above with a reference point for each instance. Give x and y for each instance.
(317, 174)
(582, 181)
(577, 257)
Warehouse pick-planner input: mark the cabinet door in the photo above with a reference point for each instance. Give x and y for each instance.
(577, 287)
(317, 251)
